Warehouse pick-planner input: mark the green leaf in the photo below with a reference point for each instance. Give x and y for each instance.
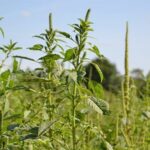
(98, 70)
(37, 47)
(5, 75)
(146, 114)
(13, 117)
(2, 32)
(99, 105)
(69, 54)
(95, 50)
(39, 36)
(51, 56)
(94, 105)
(6, 106)
(15, 65)
(73, 75)
(87, 15)
(26, 113)
(45, 126)
(77, 39)
(84, 91)
(96, 88)
(23, 57)
(108, 146)
(67, 35)
(28, 136)
(17, 48)
(45, 115)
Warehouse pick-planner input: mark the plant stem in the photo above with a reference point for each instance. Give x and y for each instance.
(1, 128)
(117, 129)
(73, 119)
(126, 78)
(126, 89)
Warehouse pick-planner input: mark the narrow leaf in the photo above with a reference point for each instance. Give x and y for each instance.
(2, 32)
(23, 57)
(45, 126)
(98, 70)
(67, 35)
(37, 47)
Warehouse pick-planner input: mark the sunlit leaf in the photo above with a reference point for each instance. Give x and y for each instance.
(98, 70)
(69, 54)
(99, 105)
(37, 47)
(23, 57)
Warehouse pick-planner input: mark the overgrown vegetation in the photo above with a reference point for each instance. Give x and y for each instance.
(60, 108)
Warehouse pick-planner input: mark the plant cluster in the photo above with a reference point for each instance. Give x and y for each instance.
(57, 107)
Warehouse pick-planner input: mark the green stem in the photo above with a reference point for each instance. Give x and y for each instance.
(50, 108)
(1, 128)
(73, 120)
(117, 129)
(126, 78)
(126, 90)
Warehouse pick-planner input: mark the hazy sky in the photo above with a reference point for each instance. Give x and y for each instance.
(25, 18)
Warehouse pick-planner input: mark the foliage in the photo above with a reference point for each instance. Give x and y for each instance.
(59, 108)
(112, 78)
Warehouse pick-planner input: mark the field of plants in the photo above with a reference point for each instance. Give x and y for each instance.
(87, 106)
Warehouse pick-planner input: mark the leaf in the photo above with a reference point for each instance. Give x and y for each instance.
(15, 65)
(73, 75)
(28, 136)
(45, 126)
(12, 46)
(98, 70)
(6, 106)
(69, 54)
(33, 133)
(95, 50)
(5, 77)
(99, 105)
(51, 57)
(96, 88)
(108, 146)
(87, 15)
(95, 106)
(26, 113)
(13, 117)
(40, 37)
(19, 87)
(2, 32)
(67, 35)
(45, 115)
(84, 91)
(146, 114)
(17, 48)
(37, 47)
(77, 39)
(23, 57)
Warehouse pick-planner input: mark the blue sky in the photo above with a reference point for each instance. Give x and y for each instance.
(25, 18)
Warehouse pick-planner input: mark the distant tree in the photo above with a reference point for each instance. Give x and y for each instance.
(139, 81)
(137, 73)
(112, 78)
